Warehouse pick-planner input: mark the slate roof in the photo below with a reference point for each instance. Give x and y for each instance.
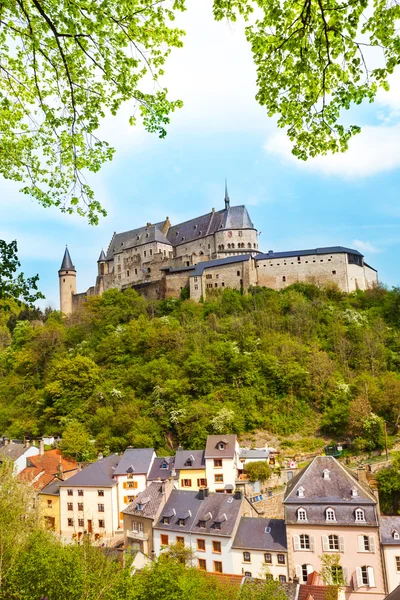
(183, 503)
(320, 493)
(119, 240)
(52, 489)
(156, 472)
(395, 595)
(151, 499)
(312, 251)
(147, 236)
(67, 264)
(44, 468)
(253, 534)
(138, 458)
(102, 256)
(12, 451)
(181, 457)
(99, 473)
(212, 450)
(261, 453)
(387, 526)
(209, 264)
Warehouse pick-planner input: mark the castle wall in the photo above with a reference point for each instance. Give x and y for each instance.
(175, 282)
(204, 246)
(235, 276)
(278, 273)
(371, 277)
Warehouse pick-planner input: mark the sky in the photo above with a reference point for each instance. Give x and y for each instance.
(349, 199)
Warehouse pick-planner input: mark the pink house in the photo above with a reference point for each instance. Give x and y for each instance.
(329, 511)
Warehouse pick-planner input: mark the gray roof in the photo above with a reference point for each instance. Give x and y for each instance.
(135, 460)
(212, 446)
(387, 526)
(52, 489)
(182, 456)
(66, 264)
(12, 451)
(209, 264)
(119, 240)
(147, 236)
(150, 499)
(395, 595)
(261, 453)
(312, 251)
(157, 472)
(335, 492)
(99, 473)
(102, 256)
(191, 506)
(253, 534)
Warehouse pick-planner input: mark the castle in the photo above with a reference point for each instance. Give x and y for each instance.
(214, 251)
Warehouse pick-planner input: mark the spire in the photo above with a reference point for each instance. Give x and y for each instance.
(102, 256)
(227, 200)
(66, 264)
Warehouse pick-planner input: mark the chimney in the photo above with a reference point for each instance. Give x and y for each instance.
(237, 495)
(201, 494)
(213, 210)
(79, 466)
(41, 447)
(27, 443)
(148, 225)
(205, 490)
(60, 469)
(6, 441)
(362, 475)
(166, 226)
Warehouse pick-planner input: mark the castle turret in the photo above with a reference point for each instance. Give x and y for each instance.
(101, 263)
(67, 277)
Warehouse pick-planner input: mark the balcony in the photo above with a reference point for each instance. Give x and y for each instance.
(137, 535)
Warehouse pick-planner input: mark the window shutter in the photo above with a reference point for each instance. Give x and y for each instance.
(135, 484)
(296, 542)
(359, 575)
(371, 577)
(310, 569)
(345, 575)
(298, 572)
(361, 547)
(198, 482)
(372, 543)
(325, 543)
(125, 499)
(341, 543)
(312, 543)
(124, 485)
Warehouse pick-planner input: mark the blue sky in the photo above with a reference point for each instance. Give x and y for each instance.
(350, 199)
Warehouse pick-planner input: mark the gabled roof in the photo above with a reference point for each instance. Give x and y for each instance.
(182, 456)
(147, 236)
(311, 252)
(261, 534)
(52, 489)
(210, 264)
(157, 472)
(67, 264)
(212, 450)
(137, 460)
(99, 473)
(13, 451)
(256, 453)
(387, 526)
(150, 499)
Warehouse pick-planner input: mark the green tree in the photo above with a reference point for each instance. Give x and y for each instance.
(262, 590)
(13, 285)
(258, 471)
(312, 63)
(389, 486)
(76, 441)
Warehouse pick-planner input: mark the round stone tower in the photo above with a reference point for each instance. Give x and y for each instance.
(67, 277)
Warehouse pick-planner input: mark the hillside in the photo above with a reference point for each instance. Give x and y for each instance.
(161, 373)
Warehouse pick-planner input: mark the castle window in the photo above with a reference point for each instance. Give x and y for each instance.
(233, 245)
(195, 278)
(217, 276)
(298, 259)
(209, 246)
(223, 284)
(216, 284)
(284, 278)
(333, 272)
(151, 252)
(196, 287)
(330, 514)
(127, 273)
(301, 515)
(194, 226)
(249, 245)
(321, 260)
(144, 253)
(229, 245)
(329, 259)
(147, 235)
(149, 270)
(255, 245)
(64, 280)
(314, 261)
(238, 273)
(187, 263)
(240, 233)
(135, 271)
(306, 262)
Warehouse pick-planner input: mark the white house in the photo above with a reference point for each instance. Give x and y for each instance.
(222, 460)
(390, 540)
(131, 475)
(260, 549)
(18, 453)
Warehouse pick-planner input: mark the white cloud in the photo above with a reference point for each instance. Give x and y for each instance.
(365, 246)
(374, 150)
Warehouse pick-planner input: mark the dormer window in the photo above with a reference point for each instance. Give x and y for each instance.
(354, 493)
(181, 522)
(147, 235)
(395, 535)
(330, 515)
(189, 461)
(165, 520)
(222, 445)
(164, 465)
(359, 515)
(325, 474)
(300, 492)
(301, 514)
(202, 524)
(139, 506)
(217, 525)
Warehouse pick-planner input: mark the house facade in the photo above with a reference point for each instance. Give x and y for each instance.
(390, 540)
(190, 468)
(222, 460)
(49, 505)
(329, 512)
(18, 453)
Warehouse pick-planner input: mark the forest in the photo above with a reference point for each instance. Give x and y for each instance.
(127, 371)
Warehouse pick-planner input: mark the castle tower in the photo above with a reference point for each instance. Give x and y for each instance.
(101, 264)
(67, 277)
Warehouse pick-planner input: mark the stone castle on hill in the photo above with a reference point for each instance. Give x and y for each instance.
(214, 251)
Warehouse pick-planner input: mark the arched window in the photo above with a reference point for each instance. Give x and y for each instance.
(359, 515)
(233, 245)
(249, 245)
(330, 515)
(222, 246)
(301, 515)
(395, 535)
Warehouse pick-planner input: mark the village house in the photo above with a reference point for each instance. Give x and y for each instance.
(328, 511)
(222, 460)
(190, 468)
(260, 549)
(42, 468)
(131, 475)
(89, 501)
(18, 453)
(140, 515)
(161, 469)
(49, 505)
(390, 540)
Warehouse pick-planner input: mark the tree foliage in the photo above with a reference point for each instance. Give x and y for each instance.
(13, 286)
(258, 471)
(314, 61)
